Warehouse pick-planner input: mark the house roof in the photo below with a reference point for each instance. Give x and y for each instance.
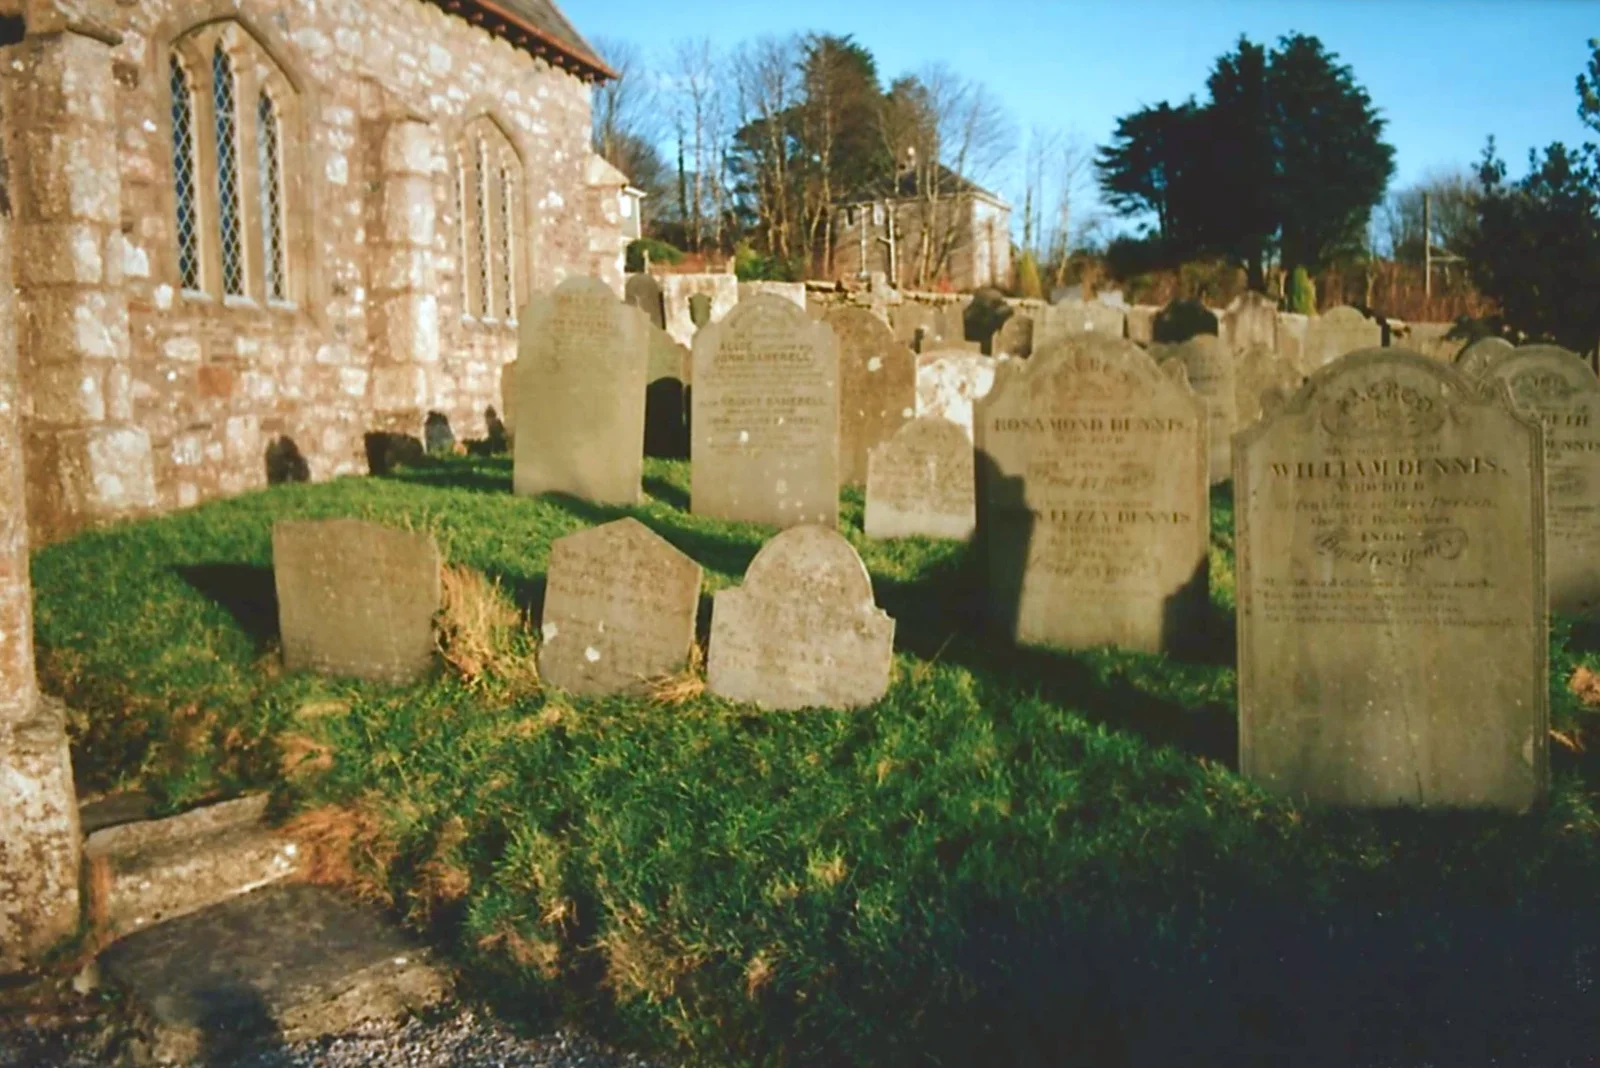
(906, 187)
(538, 27)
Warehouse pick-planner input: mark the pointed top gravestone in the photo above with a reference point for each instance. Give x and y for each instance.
(877, 387)
(355, 598)
(1475, 359)
(1093, 503)
(580, 380)
(1556, 387)
(619, 609)
(1392, 630)
(803, 630)
(765, 417)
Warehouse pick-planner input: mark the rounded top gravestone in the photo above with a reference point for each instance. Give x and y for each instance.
(1392, 630)
(877, 387)
(1475, 359)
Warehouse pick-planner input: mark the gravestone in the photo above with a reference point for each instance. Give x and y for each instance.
(355, 598)
(580, 381)
(1556, 387)
(508, 397)
(677, 289)
(803, 631)
(1093, 505)
(920, 483)
(644, 293)
(1476, 358)
(1258, 370)
(437, 437)
(765, 417)
(1209, 367)
(793, 292)
(916, 324)
(1140, 323)
(877, 387)
(1014, 338)
(950, 381)
(1251, 318)
(619, 610)
(1433, 340)
(1292, 329)
(1336, 332)
(1073, 317)
(1390, 586)
(666, 397)
(1181, 320)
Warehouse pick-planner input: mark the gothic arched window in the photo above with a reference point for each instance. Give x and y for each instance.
(487, 202)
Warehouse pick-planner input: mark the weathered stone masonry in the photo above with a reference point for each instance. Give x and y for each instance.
(144, 393)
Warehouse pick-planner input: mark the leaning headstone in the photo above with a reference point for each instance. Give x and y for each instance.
(1250, 319)
(580, 382)
(644, 293)
(355, 598)
(1336, 332)
(803, 631)
(877, 387)
(1257, 370)
(619, 610)
(1072, 317)
(1556, 387)
(666, 398)
(1181, 320)
(765, 417)
(1475, 359)
(1093, 504)
(920, 483)
(950, 381)
(1391, 591)
(1209, 366)
(1014, 338)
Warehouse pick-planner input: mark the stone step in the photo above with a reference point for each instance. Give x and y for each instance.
(150, 871)
(286, 963)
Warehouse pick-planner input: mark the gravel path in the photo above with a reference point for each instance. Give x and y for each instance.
(465, 1039)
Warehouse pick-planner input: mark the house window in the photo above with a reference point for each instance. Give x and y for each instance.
(269, 166)
(233, 115)
(183, 177)
(490, 185)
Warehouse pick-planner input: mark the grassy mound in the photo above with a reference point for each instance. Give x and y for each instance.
(1014, 858)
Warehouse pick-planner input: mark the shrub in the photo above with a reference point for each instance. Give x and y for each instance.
(1028, 285)
(753, 266)
(659, 252)
(1302, 293)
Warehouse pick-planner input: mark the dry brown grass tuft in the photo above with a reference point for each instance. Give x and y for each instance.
(685, 686)
(301, 755)
(641, 963)
(543, 955)
(344, 846)
(758, 974)
(442, 878)
(1586, 685)
(477, 623)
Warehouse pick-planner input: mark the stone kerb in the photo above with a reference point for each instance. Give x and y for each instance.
(803, 631)
(1392, 629)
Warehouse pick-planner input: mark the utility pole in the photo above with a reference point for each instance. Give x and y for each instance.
(1427, 247)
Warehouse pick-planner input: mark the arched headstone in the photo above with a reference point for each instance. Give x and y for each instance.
(1475, 359)
(1209, 367)
(920, 483)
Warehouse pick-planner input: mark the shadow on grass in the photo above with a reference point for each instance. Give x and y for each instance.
(247, 592)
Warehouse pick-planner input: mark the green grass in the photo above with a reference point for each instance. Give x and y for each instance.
(1014, 858)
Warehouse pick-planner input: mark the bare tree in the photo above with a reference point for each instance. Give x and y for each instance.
(626, 105)
(766, 82)
(1452, 213)
(699, 127)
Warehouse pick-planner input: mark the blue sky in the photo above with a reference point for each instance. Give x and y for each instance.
(1444, 73)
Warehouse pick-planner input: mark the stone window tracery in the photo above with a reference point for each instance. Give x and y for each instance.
(234, 114)
(490, 183)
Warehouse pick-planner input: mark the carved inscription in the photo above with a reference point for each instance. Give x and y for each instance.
(1093, 504)
(920, 483)
(765, 421)
(1390, 591)
(355, 598)
(1557, 388)
(619, 609)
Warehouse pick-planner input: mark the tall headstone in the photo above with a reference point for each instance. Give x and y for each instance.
(1068, 318)
(1209, 366)
(580, 380)
(1250, 319)
(1093, 502)
(949, 382)
(1336, 332)
(1475, 359)
(355, 598)
(1257, 371)
(877, 387)
(803, 631)
(1391, 607)
(765, 417)
(920, 483)
(666, 397)
(619, 610)
(1557, 388)
(644, 293)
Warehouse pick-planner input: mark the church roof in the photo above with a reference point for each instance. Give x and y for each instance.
(536, 26)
